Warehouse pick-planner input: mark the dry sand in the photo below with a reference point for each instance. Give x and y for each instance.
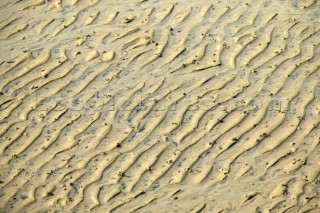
(160, 106)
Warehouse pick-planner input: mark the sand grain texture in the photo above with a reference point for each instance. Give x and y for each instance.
(159, 106)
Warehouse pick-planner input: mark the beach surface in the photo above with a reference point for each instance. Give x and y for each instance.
(160, 106)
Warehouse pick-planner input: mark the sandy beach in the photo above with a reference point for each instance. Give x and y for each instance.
(160, 106)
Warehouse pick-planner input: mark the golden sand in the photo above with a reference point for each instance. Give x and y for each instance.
(159, 106)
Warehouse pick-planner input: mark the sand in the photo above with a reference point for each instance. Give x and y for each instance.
(159, 106)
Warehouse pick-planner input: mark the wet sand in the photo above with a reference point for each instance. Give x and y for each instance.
(159, 106)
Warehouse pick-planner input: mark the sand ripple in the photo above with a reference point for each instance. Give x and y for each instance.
(159, 106)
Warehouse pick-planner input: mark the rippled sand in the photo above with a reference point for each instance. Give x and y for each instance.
(159, 106)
